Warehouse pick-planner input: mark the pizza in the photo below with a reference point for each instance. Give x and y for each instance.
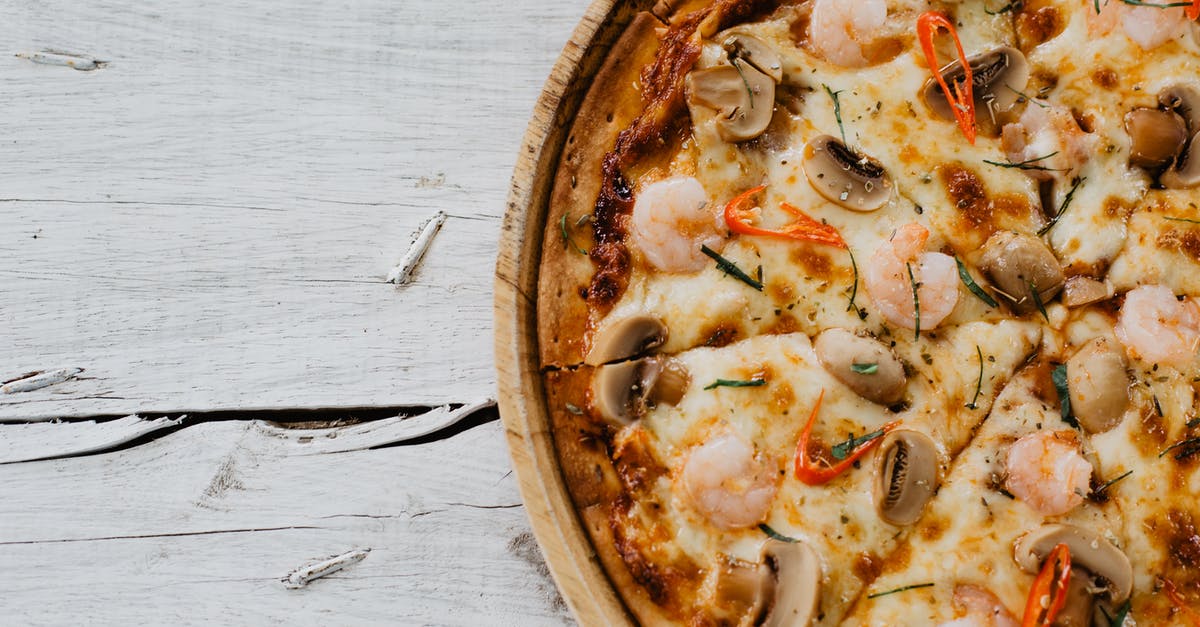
(884, 312)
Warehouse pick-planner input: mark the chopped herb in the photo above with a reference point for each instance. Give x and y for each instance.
(730, 268)
(1190, 447)
(1122, 612)
(837, 109)
(1037, 300)
(979, 382)
(1026, 96)
(853, 288)
(972, 285)
(1028, 164)
(1174, 219)
(1059, 376)
(1108, 484)
(1063, 209)
(1006, 493)
(567, 241)
(900, 589)
(1193, 423)
(574, 410)
(734, 383)
(916, 301)
(749, 92)
(1166, 5)
(843, 450)
(584, 219)
(1011, 6)
(765, 528)
(1157, 406)
(865, 368)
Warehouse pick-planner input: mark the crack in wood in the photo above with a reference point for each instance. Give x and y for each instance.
(180, 534)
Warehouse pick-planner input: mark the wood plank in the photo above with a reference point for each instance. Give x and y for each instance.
(200, 525)
(206, 221)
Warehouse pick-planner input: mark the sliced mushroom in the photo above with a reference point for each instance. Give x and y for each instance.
(845, 177)
(906, 475)
(1183, 99)
(1080, 604)
(797, 583)
(756, 52)
(742, 588)
(1155, 136)
(1098, 385)
(864, 364)
(743, 97)
(1017, 265)
(1089, 551)
(1081, 290)
(1185, 172)
(997, 78)
(622, 392)
(625, 338)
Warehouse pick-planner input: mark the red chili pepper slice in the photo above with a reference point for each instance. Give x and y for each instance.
(809, 471)
(738, 216)
(1179, 602)
(962, 98)
(1193, 11)
(1050, 583)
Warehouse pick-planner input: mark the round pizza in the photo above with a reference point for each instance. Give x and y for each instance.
(885, 312)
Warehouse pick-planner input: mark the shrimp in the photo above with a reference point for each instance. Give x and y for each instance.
(1047, 472)
(671, 220)
(982, 607)
(840, 30)
(1157, 328)
(891, 288)
(727, 483)
(1049, 137)
(1147, 26)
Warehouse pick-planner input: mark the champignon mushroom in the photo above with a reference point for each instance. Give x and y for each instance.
(1089, 551)
(1185, 172)
(863, 364)
(624, 338)
(845, 177)
(743, 96)
(742, 587)
(1018, 264)
(1097, 385)
(906, 475)
(1184, 99)
(997, 78)
(622, 392)
(1155, 136)
(797, 583)
(1080, 606)
(1081, 290)
(755, 52)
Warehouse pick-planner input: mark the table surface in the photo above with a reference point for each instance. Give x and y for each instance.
(195, 241)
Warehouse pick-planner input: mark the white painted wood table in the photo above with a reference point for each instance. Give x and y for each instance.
(200, 204)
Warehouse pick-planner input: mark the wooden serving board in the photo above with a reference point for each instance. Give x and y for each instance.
(564, 541)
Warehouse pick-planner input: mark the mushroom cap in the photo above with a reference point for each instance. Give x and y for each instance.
(1098, 385)
(845, 177)
(624, 338)
(1089, 551)
(997, 77)
(1081, 290)
(1015, 262)
(906, 475)
(1185, 172)
(756, 52)
(797, 583)
(1184, 99)
(743, 97)
(839, 350)
(622, 392)
(1080, 604)
(1155, 136)
(743, 587)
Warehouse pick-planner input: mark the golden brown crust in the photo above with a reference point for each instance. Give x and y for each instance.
(611, 103)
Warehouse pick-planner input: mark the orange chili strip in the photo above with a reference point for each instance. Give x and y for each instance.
(738, 215)
(1051, 585)
(1179, 602)
(1193, 11)
(812, 473)
(962, 99)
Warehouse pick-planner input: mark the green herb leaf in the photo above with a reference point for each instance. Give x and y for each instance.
(972, 285)
(567, 241)
(1119, 619)
(765, 528)
(1028, 164)
(1037, 300)
(1059, 377)
(745, 82)
(730, 268)
(916, 302)
(1157, 406)
(900, 589)
(1108, 484)
(843, 450)
(1193, 423)
(837, 109)
(1011, 6)
(853, 288)
(865, 368)
(1174, 219)
(1166, 5)
(734, 383)
(1191, 446)
(1026, 96)
(574, 410)
(979, 382)
(1063, 209)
